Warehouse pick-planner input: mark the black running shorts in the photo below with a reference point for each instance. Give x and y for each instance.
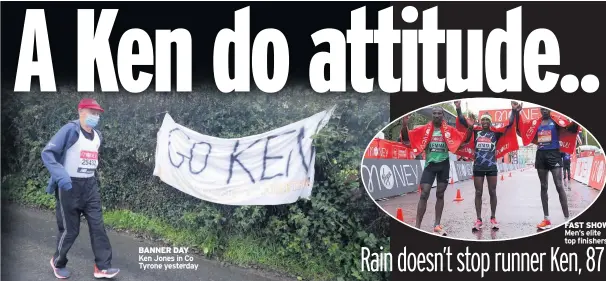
(436, 170)
(485, 173)
(548, 159)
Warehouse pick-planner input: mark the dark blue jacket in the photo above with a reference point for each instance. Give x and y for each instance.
(53, 155)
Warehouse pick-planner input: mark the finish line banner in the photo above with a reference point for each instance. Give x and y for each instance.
(272, 168)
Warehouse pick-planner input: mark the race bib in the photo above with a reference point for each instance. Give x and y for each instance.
(88, 162)
(483, 144)
(437, 146)
(544, 136)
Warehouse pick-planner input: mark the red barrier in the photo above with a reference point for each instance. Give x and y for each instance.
(597, 175)
(373, 150)
(597, 172)
(573, 164)
(587, 153)
(385, 149)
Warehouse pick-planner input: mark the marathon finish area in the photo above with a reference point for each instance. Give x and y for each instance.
(544, 256)
(574, 24)
(518, 210)
(516, 250)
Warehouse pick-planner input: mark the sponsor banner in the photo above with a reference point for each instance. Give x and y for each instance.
(386, 149)
(501, 116)
(582, 169)
(587, 153)
(464, 170)
(373, 149)
(385, 178)
(391, 177)
(597, 175)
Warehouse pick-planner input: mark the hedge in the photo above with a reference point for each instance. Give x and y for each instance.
(322, 236)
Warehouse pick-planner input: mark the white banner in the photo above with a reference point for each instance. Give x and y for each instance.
(272, 168)
(583, 169)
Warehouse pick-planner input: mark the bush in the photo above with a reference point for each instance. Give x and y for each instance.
(330, 228)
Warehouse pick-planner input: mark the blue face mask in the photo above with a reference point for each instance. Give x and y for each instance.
(92, 120)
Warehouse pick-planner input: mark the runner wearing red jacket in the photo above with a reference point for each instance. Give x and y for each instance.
(436, 138)
(553, 134)
(485, 144)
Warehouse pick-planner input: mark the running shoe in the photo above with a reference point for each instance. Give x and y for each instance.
(106, 273)
(494, 223)
(477, 225)
(545, 224)
(439, 230)
(61, 273)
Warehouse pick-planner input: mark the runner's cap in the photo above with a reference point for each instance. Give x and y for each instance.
(89, 103)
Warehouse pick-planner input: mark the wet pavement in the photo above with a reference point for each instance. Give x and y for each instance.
(518, 212)
(29, 238)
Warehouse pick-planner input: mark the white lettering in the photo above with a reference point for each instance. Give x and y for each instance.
(358, 37)
(34, 32)
(93, 48)
(532, 60)
(182, 38)
(240, 37)
(334, 59)
(126, 60)
(385, 36)
(259, 60)
(430, 37)
(511, 37)
(455, 80)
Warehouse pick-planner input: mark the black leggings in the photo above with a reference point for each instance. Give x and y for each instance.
(567, 172)
(557, 179)
(478, 182)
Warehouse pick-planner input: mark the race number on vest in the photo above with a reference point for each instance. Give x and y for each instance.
(545, 136)
(82, 159)
(484, 143)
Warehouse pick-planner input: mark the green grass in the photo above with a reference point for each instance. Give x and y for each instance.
(239, 250)
(249, 250)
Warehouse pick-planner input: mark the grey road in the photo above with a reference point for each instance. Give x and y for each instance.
(518, 212)
(28, 241)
